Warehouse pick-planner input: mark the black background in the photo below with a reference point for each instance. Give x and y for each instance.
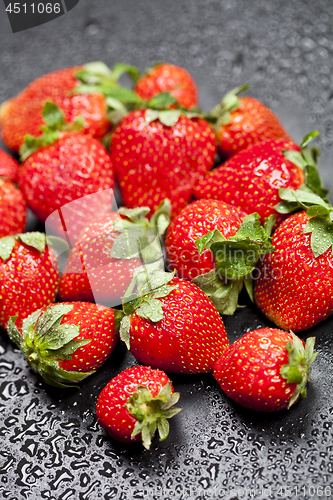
(51, 446)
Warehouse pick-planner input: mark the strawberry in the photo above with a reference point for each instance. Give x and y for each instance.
(251, 179)
(161, 154)
(294, 285)
(165, 78)
(29, 277)
(66, 342)
(76, 91)
(170, 323)
(101, 264)
(13, 210)
(60, 167)
(266, 370)
(135, 403)
(243, 121)
(8, 166)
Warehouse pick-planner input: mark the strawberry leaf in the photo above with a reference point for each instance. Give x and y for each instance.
(308, 138)
(162, 101)
(134, 214)
(169, 117)
(13, 332)
(53, 116)
(122, 94)
(35, 240)
(124, 330)
(6, 247)
(151, 309)
(70, 348)
(208, 239)
(321, 235)
(121, 68)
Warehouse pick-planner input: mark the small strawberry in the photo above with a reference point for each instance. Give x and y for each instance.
(66, 342)
(135, 403)
(77, 91)
(170, 323)
(101, 264)
(251, 179)
(8, 166)
(243, 121)
(13, 209)
(168, 78)
(29, 277)
(294, 285)
(266, 370)
(161, 154)
(62, 166)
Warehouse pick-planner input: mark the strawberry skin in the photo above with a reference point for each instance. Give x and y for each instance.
(8, 166)
(23, 114)
(118, 414)
(188, 339)
(251, 179)
(73, 167)
(294, 288)
(13, 209)
(165, 78)
(250, 123)
(193, 222)
(154, 161)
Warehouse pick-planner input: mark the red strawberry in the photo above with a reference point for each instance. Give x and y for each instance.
(161, 154)
(165, 78)
(243, 121)
(294, 285)
(66, 342)
(62, 167)
(266, 370)
(13, 209)
(29, 277)
(170, 324)
(101, 264)
(251, 179)
(8, 166)
(136, 403)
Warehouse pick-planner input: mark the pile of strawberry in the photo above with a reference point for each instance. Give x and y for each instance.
(261, 221)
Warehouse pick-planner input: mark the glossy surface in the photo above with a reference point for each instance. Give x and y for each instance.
(13, 209)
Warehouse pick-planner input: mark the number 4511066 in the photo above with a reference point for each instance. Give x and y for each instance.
(38, 8)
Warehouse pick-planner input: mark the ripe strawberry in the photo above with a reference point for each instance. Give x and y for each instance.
(71, 89)
(243, 121)
(66, 342)
(135, 403)
(8, 166)
(165, 78)
(13, 209)
(266, 370)
(62, 166)
(29, 277)
(251, 179)
(101, 264)
(161, 154)
(170, 324)
(294, 285)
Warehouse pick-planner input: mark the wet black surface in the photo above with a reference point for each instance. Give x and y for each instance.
(51, 446)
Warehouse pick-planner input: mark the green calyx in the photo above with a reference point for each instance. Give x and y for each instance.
(34, 240)
(44, 341)
(140, 237)
(220, 115)
(52, 131)
(235, 259)
(149, 284)
(307, 160)
(299, 364)
(152, 412)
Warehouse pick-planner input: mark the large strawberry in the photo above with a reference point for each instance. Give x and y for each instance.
(61, 166)
(266, 370)
(243, 121)
(101, 264)
(13, 209)
(294, 285)
(168, 78)
(161, 154)
(29, 276)
(135, 403)
(170, 323)
(66, 342)
(8, 166)
(77, 91)
(251, 179)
